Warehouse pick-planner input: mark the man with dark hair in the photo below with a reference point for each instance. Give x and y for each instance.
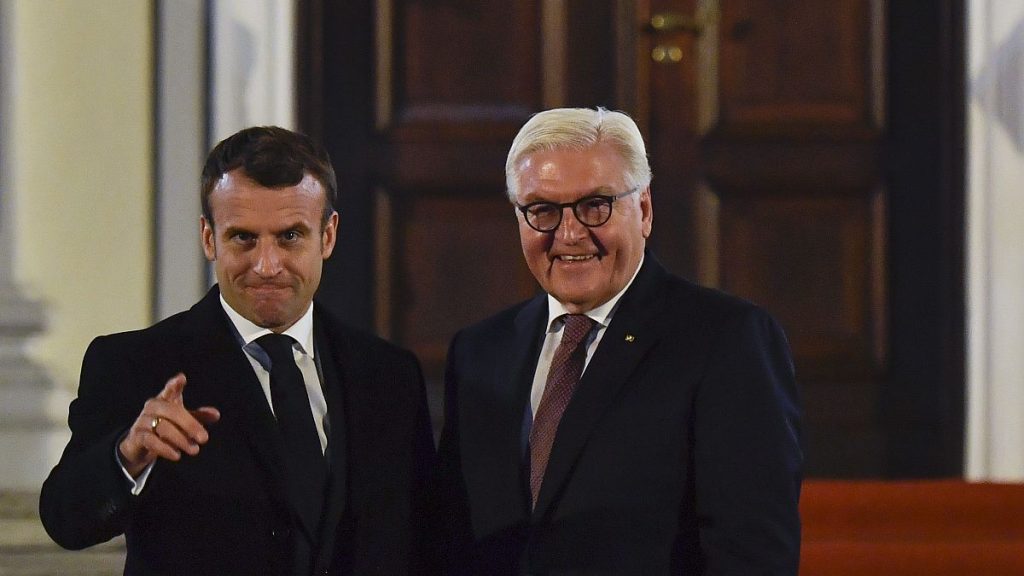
(273, 157)
(253, 433)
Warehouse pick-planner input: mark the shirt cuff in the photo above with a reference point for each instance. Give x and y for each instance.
(134, 484)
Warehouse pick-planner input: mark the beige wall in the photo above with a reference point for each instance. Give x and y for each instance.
(82, 178)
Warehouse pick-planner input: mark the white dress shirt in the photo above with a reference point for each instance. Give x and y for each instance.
(304, 351)
(602, 317)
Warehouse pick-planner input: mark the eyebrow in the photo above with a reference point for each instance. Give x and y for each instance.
(298, 226)
(599, 191)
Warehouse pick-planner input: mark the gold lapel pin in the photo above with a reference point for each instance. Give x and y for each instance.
(630, 338)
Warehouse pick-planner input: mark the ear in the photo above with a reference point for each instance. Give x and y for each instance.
(330, 236)
(646, 211)
(206, 233)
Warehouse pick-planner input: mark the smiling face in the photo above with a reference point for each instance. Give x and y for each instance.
(582, 267)
(268, 246)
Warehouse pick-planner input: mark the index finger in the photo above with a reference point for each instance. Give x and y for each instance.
(173, 389)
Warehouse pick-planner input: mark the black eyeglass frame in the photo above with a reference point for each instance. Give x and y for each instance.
(574, 205)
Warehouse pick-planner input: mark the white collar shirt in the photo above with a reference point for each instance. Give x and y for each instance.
(602, 317)
(304, 351)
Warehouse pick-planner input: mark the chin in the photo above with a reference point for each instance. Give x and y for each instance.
(573, 299)
(268, 319)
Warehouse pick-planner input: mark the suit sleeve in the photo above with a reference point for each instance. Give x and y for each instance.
(424, 560)
(747, 452)
(450, 514)
(86, 499)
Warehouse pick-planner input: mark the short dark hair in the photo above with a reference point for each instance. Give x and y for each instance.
(272, 157)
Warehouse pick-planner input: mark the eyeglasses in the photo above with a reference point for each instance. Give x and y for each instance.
(591, 211)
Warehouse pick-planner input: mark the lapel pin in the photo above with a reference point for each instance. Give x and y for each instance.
(630, 338)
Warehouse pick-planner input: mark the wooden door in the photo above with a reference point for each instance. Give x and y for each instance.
(765, 121)
(767, 130)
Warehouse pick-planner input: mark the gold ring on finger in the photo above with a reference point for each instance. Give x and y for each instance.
(154, 423)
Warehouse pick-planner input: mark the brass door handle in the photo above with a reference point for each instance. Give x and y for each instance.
(676, 22)
(667, 54)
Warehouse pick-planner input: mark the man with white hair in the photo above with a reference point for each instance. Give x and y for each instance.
(625, 421)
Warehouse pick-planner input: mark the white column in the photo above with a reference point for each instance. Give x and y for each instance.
(32, 408)
(180, 278)
(252, 72)
(250, 80)
(995, 235)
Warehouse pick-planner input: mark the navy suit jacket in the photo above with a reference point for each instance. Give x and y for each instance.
(225, 511)
(679, 452)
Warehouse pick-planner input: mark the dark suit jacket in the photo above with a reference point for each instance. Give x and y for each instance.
(225, 510)
(679, 452)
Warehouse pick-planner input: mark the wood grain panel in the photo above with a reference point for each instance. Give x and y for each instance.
(815, 262)
(461, 61)
(460, 262)
(799, 66)
(818, 167)
(778, 175)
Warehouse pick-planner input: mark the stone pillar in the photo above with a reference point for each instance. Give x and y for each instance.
(995, 232)
(32, 430)
(32, 408)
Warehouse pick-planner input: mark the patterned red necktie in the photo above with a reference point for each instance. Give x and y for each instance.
(564, 374)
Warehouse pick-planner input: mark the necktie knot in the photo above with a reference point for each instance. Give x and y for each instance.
(278, 347)
(576, 328)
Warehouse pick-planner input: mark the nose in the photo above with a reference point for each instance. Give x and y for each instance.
(268, 260)
(570, 229)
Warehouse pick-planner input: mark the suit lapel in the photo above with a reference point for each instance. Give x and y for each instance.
(635, 328)
(228, 382)
(333, 359)
(220, 363)
(530, 324)
(513, 398)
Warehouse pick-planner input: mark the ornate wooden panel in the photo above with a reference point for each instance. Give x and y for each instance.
(765, 122)
(455, 80)
(817, 262)
(463, 60)
(800, 64)
(460, 262)
(779, 176)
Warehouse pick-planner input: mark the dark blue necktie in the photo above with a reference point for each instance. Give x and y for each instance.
(305, 466)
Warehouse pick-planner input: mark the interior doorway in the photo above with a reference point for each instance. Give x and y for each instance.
(804, 156)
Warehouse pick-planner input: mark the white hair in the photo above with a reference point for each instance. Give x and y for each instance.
(579, 129)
